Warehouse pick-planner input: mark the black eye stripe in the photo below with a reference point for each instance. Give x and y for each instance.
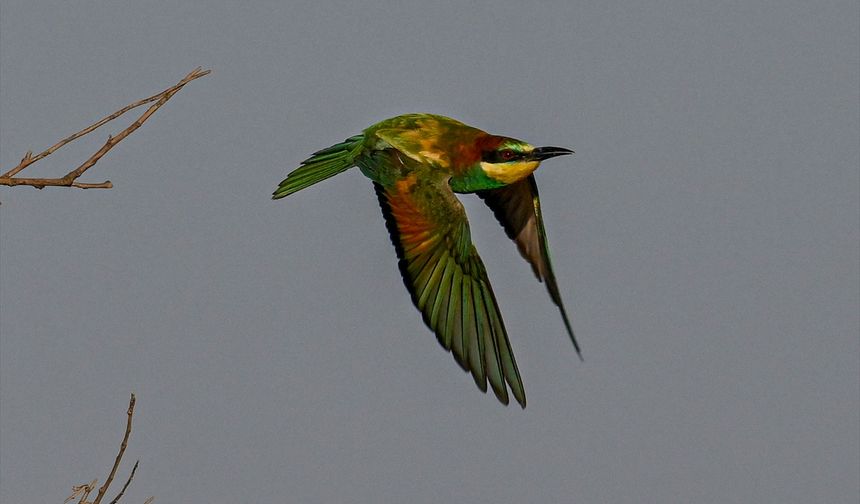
(502, 156)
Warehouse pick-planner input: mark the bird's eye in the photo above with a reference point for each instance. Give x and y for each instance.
(507, 154)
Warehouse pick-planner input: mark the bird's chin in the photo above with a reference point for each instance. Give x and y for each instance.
(508, 173)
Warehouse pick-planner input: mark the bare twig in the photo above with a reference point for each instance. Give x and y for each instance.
(83, 491)
(119, 455)
(86, 492)
(127, 483)
(69, 180)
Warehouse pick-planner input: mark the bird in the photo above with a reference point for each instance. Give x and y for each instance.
(417, 163)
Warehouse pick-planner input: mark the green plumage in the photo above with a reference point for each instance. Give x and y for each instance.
(417, 162)
(444, 273)
(321, 165)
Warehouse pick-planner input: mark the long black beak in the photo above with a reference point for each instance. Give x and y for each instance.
(542, 153)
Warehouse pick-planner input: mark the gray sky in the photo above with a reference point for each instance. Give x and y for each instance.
(705, 238)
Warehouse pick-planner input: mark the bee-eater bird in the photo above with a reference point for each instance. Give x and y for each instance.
(417, 162)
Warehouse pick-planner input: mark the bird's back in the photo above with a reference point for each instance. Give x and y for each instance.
(429, 139)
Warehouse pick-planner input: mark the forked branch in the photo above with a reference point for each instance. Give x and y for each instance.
(70, 179)
(82, 492)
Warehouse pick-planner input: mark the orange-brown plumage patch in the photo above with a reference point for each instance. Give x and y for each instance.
(448, 144)
(417, 233)
(469, 153)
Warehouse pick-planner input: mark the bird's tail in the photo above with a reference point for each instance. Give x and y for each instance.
(320, 166)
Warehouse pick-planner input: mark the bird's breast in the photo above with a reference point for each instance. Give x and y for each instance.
(472, 180)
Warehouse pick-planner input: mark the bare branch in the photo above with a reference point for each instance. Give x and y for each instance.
(81, 490)
(69, 180)
(40, 183)
(86, 492)
(127, 483)
(119, 455)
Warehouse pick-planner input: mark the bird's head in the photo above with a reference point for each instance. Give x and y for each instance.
(509, 160)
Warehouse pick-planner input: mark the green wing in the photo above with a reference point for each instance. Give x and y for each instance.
(321, 165)
(517, 208)
(445, 276)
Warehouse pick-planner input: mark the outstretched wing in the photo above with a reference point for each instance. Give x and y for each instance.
(446, 278)
(517, 208)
